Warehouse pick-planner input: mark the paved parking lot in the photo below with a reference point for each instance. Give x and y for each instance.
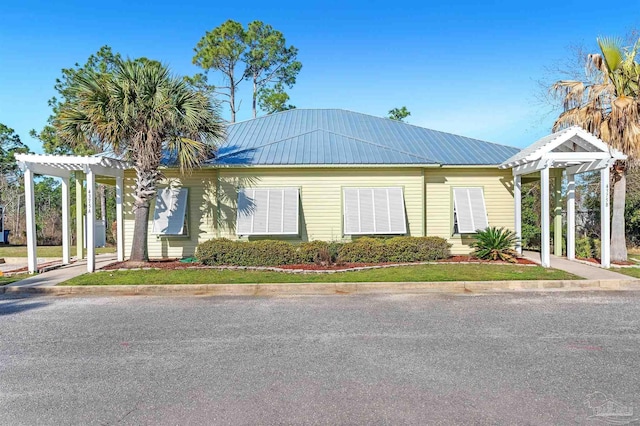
(546, 358)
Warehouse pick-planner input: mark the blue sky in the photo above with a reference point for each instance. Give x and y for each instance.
(467, 67)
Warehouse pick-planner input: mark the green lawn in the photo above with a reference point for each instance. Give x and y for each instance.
(8, 280)
(45, 251)
(464, 272)
(632, 272)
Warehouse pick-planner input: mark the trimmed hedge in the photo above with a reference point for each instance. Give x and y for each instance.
(222, 251)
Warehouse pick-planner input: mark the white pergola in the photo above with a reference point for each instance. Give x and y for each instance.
(575, 151)
(96, 169)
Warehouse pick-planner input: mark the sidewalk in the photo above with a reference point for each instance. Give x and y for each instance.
(64, 273)
(578, 268)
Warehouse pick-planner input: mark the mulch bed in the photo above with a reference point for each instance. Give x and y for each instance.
(596, 260)
(469, 259)
(170, 264)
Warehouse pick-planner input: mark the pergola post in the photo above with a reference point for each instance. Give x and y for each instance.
(605, 219)
(91, 221)
(29, 200)
(119, 218)
(571, 216)
(66, 247)
(79, 216)
(517, 197)
(545, 255)
(557, 213)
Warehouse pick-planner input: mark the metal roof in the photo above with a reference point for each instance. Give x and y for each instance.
(340, 137)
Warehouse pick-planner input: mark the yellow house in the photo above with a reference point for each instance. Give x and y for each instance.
(332, 175)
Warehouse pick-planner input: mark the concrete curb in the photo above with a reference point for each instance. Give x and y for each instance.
(286, 289)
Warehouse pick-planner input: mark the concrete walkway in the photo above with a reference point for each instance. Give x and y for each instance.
(578, 268)
(64, 273)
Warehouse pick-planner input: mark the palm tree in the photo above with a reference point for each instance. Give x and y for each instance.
(608, 106)
(142, 112)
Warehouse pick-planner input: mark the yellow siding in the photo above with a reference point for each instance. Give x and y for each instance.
(200, 215)
(321, 201)
(498, 193)
(321, 195)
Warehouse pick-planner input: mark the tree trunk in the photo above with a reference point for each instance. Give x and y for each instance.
(144, 192)
(139, 249)
(255, 96)
(618, 235)
(232, 98)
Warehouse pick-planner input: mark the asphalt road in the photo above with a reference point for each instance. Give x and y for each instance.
(550, 358)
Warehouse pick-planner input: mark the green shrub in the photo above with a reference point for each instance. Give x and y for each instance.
(363, 250)
(587, 248)
(222, 251)
(271, 253)
(312, 252)
(334, 249)
(416, 249)
(397, 249)
(495, 244)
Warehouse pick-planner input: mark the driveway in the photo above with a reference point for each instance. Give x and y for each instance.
(546, 358)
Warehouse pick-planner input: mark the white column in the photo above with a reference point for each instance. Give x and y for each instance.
(119, 218)
(91, 221)
(545, 249)
(29, 200)
(79, 215)
(571, 216)
(66, 247)
(517, 197)
(557, 213)
(605, 219)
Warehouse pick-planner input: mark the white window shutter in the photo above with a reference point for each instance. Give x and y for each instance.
(351, 211)
(367, 216)
(470, 210)
(169, 212)
(245, 212)
(268, 211)
(291, 211)
(478, 209)
(397, 215)
(371, 211)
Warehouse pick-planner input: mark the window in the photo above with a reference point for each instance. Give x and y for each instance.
(469, 211)
(268, 211)
(169, 216)
(369, 211)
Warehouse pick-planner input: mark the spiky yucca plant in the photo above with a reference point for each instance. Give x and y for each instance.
(495, 244)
